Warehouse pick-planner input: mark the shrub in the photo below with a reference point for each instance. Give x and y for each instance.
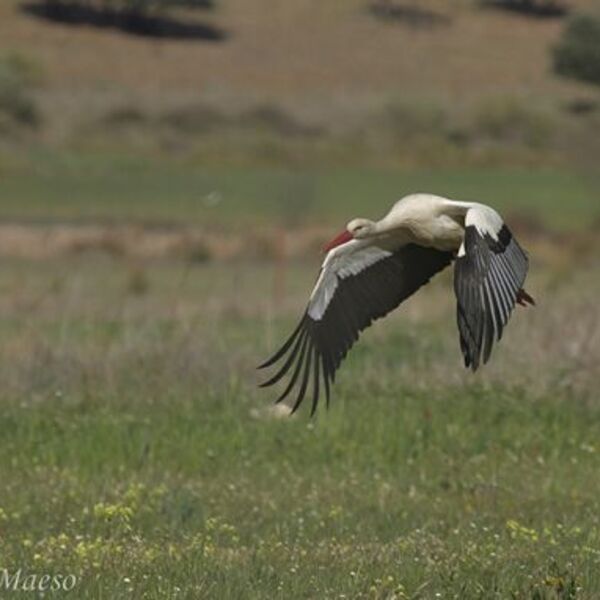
(577, 55)
(534, 8)
(507, 119)
(410, 120)
(17, 77)
(125, 6)
(139, 17)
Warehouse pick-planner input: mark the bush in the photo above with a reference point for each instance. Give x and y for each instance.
(140, 17)
(577, 55)
(506, 119)
(128, 6)
(411, 120)
(17, 77)
(534, 8)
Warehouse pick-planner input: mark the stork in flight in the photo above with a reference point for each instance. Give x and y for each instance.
(372, 267)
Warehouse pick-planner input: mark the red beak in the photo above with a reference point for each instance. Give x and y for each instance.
(338, 240)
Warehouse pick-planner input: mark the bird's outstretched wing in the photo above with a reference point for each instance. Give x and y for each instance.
(356, 286)
(488, 277)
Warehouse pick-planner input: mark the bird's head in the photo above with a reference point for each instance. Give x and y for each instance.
(356, 229)
(360, 228)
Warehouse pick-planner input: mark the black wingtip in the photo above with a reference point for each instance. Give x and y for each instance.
(297, 370)
(265, 384)
(270, 361)
(316, 376)
(300, 341)
(267, 363)
(305, 378)
(275, 357)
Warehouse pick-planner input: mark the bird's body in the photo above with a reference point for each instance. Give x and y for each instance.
(427, 220)
(371, 267)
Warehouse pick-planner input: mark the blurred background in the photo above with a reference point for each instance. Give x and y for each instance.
(169, 170)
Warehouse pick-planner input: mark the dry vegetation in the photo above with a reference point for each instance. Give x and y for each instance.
(137, 242)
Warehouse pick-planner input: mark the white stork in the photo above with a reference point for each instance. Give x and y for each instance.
(371, 267)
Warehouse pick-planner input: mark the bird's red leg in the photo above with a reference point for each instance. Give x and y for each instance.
(523, 298)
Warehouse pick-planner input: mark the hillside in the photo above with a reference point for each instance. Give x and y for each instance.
(306, 55)
(303, 48)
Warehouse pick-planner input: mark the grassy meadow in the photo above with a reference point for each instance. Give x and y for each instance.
(138, 454)
(115, 189)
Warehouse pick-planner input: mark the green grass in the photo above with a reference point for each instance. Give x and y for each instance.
(137, 453)
(471, 493)
(120, 189)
